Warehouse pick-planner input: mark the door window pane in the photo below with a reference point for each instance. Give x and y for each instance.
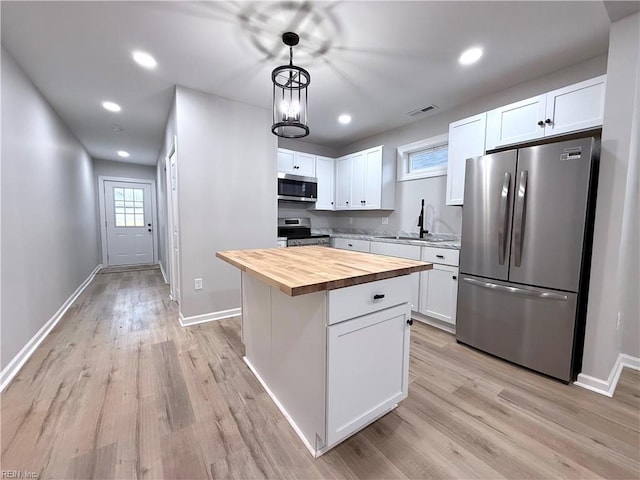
(128, 206)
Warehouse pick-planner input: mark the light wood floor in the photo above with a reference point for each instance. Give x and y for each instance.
(120, 390)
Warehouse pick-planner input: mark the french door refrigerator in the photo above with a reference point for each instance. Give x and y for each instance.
(527, 228)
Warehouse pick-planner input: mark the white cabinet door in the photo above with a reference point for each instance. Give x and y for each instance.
(410, 252)
(351, 244)
(576, 107)
(367, 369)
(325, 172)
(296, 163)
(466, 139)
(305, 164)
(438, 293)
(518, 122)
(286, 160)
(343, 183)
(358, 174)
(373, 179)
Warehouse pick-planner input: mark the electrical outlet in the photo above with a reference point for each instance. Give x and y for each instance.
(385, 220)
(619, 318)
(197, 283)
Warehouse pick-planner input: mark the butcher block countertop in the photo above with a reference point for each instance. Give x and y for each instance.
(300, 270)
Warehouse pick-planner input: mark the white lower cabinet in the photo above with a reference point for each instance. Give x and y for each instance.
(367, 369)
(351, 244)
(439, 287)
(439, 293)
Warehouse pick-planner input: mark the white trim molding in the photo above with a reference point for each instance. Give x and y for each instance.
(14, 366)
(607, 387)
(164, 275)
(209, 317)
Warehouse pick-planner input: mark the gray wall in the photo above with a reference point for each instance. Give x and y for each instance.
(440, 217)
(108, 168)
(49, 227)
(610, 287)
(227, 193)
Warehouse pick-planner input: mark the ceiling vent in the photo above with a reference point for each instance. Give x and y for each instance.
(420, 111)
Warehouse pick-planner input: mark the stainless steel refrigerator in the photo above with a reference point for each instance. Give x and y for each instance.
(527, 228)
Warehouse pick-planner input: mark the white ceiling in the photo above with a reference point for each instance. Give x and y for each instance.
(375, 60)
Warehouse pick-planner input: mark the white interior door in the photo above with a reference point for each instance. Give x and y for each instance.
(129, 227)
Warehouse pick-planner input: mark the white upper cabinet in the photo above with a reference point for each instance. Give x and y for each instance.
(576, 107)
(296, 163)
(466, 139)
(359, 181)
(343, 183)
(325, 172)
(518, 122)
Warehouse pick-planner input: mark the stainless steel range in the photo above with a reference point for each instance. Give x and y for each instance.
(298, 232)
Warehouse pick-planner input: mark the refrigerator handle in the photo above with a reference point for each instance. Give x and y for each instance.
(518, 222)
(516, 290)
(504, 219)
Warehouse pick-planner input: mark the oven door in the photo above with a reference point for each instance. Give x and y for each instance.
(296, 188)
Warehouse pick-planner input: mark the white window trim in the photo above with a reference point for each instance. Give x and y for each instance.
(403, 158)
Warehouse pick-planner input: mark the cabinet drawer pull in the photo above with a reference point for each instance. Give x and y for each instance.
(350, 244)
(378, 296)
(440, 256)
(410, 321)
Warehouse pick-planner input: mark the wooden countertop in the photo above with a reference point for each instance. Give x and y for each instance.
(301, 270)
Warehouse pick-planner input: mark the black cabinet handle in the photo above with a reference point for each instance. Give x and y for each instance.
(331, 203)
(410, 321)
(440, 256)
(454, 277)
(541, 123)
(350, 244)
(548, 121)
(378, 296)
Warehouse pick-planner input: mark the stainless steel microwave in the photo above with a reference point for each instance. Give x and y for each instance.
(297, 188)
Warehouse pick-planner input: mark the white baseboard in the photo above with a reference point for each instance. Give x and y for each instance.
(164, 275)
(607, 387)
(14, 366)
(209, 317)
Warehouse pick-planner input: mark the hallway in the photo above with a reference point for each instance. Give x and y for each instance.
(120, 390)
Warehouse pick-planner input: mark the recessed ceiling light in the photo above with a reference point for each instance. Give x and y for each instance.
(123, 154)
(144, 59)
(471, 55)
(111, 106)
(344, 118)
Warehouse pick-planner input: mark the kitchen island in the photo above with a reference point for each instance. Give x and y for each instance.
(326, 333)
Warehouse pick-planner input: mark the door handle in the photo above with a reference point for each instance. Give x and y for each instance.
(504, 219)
(516, 291)
(518, 227)
(148, 229)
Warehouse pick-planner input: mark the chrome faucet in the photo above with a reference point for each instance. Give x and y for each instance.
(421, 221)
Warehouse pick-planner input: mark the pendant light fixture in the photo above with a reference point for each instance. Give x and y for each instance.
(290, 95)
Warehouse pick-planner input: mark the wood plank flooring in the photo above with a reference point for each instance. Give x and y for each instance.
(120, 390)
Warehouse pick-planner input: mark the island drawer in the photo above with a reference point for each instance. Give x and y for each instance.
(350, 302)
(444, 256)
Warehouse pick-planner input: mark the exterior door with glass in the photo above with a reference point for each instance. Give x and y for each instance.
(128, 216)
